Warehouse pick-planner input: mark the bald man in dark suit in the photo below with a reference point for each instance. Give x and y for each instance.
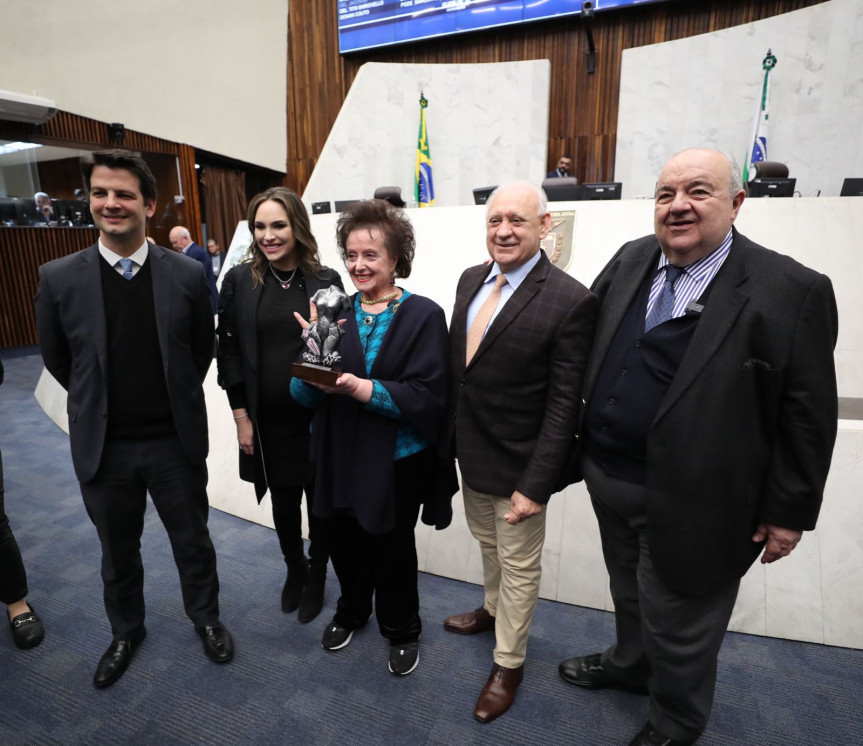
(520, 335)
(709, 427)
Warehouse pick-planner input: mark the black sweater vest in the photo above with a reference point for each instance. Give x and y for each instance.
(632, 382)
(138, 403)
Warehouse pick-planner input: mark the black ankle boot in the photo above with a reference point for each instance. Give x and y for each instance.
(293, 588)
(312, 600)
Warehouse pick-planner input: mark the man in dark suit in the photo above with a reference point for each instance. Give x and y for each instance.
(707, 436)
(126, 327)
(181, 240)
(520, 335)
(215, 253)
(564, 167)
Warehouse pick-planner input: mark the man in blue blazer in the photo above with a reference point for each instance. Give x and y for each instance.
(181, 240)
(126, 328)
(710, 419)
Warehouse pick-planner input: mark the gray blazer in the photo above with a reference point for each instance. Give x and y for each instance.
(70, 319)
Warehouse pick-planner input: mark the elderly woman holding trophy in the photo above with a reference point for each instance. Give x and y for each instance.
(376, 429)
(259, 339)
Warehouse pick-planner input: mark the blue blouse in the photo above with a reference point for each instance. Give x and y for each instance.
(372, 329)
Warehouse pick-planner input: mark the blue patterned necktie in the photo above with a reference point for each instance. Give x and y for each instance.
(664, 304)
(126, 264)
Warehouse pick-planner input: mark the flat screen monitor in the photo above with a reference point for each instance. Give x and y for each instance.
(605, 190)
(366, 25)
(852, 188)
(341, 204)
(318, 208)
(772, 187)
(563, 189)
(25, 209)
(7, 211)
(481, 194)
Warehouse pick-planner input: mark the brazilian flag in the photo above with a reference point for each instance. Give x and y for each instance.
(424, 184)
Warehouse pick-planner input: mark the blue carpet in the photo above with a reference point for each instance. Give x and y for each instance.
(283, 688)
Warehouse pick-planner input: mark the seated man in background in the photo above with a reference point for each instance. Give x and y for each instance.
(44, 210)
(564, 167)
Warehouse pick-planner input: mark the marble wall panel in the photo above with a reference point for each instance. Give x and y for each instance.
(486, 123)
(705, 90)
(842, 542)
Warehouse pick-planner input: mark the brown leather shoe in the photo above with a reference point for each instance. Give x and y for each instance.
(470, 623)
(498, 693)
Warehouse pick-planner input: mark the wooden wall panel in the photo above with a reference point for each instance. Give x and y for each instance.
(582, 108)
(22, 251)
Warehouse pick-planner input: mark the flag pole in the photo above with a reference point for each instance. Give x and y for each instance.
(758, 139)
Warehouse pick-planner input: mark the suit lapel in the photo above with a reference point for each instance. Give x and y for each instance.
(464, 295)
(624, 287)
(91, 285)
(514, 306)
(721, 310)
(162, 273)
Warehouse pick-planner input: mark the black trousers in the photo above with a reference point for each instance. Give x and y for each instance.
(383, 566)
(666, 640)
(13, 578)
(288, 519)
(116, 500)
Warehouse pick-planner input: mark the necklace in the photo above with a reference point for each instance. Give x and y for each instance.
(284, 283)
(372, 302)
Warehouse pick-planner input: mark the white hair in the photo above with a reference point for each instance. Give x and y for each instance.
(541, 196)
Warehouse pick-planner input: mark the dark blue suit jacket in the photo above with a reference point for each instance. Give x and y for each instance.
(197, 252)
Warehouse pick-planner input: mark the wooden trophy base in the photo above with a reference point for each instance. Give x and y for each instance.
(315, 373)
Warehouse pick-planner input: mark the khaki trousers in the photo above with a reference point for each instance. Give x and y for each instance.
(512, 567)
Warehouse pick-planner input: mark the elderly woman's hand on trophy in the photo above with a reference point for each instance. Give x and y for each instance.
(322, 333)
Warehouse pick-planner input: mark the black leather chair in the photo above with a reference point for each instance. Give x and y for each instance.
(391, 194)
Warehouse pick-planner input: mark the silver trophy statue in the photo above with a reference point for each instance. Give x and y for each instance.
(321, 358)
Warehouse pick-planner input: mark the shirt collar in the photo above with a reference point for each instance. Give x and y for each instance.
(515, 277)
(717, 255)
(139, 257)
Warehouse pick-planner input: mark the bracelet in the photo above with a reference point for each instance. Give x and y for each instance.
(313, 319)
(240, 416)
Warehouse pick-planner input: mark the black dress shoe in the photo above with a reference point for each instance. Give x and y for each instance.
(218, 643)
(649, 736)
(115, 661)
(588, 672)
(27, 629)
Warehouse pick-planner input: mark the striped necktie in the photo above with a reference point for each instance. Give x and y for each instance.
(664, 304)
(126, 264)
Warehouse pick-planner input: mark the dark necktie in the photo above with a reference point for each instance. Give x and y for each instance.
(664, 304)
